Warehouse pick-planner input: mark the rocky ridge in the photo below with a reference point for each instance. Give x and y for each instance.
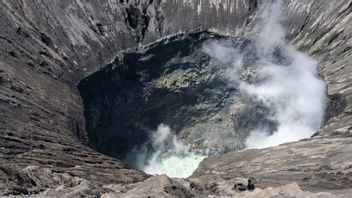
(47, 47)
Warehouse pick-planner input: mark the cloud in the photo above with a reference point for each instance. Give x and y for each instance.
(165, 154)
(286, 81)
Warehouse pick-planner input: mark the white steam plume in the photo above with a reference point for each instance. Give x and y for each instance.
(165, 155)
(292, 91)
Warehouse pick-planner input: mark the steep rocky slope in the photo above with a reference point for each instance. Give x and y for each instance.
(47, 47)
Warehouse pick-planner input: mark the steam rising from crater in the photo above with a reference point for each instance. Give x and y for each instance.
(267, 71)
(284, 80)
(165, 154)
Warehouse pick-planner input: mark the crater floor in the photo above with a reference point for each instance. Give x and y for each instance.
(47, 48)
(173, 82)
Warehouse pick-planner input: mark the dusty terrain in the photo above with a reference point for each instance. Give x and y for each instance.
(48, 47)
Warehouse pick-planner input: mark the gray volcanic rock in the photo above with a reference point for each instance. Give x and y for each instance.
(289, 190)
(158, 186)
(47, 47)
(315, 164)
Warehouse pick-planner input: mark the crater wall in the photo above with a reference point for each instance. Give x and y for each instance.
(47, 47)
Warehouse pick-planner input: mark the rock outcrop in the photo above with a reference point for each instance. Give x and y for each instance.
(48, 47)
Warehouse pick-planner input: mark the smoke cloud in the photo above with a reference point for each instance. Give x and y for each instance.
(165, 154)
(283, 79)
(267, 71)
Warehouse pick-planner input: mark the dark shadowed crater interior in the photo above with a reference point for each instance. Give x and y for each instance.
(172, 81)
